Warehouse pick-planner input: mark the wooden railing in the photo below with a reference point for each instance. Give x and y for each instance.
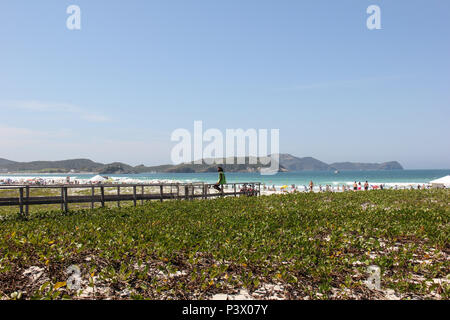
(160, 192)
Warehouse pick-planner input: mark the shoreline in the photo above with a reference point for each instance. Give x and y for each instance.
(266, 189)
(283, 182)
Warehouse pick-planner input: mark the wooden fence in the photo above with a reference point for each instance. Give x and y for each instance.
(97, 193)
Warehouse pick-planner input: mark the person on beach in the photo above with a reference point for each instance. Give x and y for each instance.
(355, 186)
(222, 180)
(366, 186)
(311, 186)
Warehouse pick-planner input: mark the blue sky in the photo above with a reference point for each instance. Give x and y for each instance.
(137, 70)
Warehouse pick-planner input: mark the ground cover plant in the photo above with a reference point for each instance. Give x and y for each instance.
(291, 246)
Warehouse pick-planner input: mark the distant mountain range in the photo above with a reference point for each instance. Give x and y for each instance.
(287, 163)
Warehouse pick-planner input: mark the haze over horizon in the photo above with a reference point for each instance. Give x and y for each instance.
(157, 164)
(116, 89)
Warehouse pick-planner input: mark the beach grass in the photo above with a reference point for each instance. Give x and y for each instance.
(291, 246)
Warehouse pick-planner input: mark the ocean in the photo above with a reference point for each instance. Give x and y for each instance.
(389, 178)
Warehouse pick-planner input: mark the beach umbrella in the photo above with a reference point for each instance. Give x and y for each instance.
(97, 178)
(441, 182)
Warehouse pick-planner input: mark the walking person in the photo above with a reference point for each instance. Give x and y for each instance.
(222, 180)
(311, 186)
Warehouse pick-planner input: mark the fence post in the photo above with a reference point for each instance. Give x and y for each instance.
(21, 201)
(62, 198)
(93, 195)
(142, 191)
(161, 192)
(66, 203)
(134, 196)
(27, 195)
(102, 195)
(118, 198)
(178, 191)
(234, 189)
(186, 192)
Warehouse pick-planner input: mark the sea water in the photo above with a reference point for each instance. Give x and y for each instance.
(387, 177)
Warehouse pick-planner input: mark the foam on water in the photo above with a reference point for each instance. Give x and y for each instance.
(399, 178)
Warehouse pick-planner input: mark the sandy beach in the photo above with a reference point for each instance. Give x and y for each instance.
(44, 180)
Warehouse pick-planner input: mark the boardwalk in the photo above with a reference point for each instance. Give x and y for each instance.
(138, 193)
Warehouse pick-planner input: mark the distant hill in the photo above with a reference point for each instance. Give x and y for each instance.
(236, 167)
(41, 166)
(392, 165)
(4, 162)
(292, 163)
(287, 162)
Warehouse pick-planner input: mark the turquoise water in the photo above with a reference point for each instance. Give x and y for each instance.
(288, 178)
(318, 177)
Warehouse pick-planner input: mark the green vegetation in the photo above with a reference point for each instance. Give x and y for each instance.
(287, 246)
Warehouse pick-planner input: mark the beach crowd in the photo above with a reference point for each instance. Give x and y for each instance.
(356, 186)
(266, 189)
